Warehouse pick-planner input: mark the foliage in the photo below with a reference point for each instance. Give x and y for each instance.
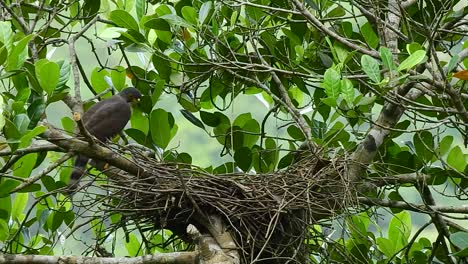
(371, 84)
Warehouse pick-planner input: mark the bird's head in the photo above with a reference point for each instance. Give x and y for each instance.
(131, 94)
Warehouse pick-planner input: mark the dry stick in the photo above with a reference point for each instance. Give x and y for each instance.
(314, 21)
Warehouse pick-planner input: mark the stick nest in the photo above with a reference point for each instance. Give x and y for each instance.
(269, 215)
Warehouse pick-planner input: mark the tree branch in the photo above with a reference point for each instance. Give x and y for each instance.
(158, 258)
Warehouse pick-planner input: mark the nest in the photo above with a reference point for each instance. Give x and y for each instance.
(269, 215)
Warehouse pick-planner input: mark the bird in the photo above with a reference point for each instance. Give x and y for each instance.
(104, 120)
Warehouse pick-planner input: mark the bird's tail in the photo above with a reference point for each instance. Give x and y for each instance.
(78, 171)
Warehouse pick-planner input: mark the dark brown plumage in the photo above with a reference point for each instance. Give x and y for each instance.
(105, 120)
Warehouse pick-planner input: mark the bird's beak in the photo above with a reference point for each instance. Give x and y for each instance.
(135, 100)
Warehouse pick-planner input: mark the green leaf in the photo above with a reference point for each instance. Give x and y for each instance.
(158, 89)
(295, 133)
(243, 158)
(68, 124)
(176, 20)
(4, 230)
(399, 229)
(2, 117)
(140, 8)
(19, 204)
(6, 35)
(162, 65)
(452, 63)
(413, 47)
(456, 159)
(26, 139)
(189, 103)
(98, 80)
(47, 73)
(90, 9)
(371, 67)
(190, 14)
(139, 121)
(64, 73)
(460, 239)
(3, 54)
(414, 59)
(158, 24)
(387, 58)
(365, 100)
(193, 119)
(6, 187)
(369, 35)
(133, 246)
(211, 119)
(160, 128)
(21, 122)
(123, 19)
(204, 12)
(331, 83)
(112, 32)
(424, 145)
(444, 145)
(18, 54)
(24, 166)
(347, 90)
(386, 246)
(118, 76)
(250, 129)
(35, 111)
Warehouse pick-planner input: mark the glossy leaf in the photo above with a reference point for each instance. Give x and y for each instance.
(19, 205)
(24, 166)
(414, 59)
(18, 54)
(6, 35)
(456, 159)
(347, 90)
(369, 35)
(123, 19)
(190, 15)
(243, 158)
(133, 246)
(204, 12)
(193, 119)
(332, 83)
(48, 74)
(160, 128)
(387, 58)
(118, 76)
(98, 80)
(371, 67)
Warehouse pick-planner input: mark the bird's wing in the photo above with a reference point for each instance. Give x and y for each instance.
(107, 118)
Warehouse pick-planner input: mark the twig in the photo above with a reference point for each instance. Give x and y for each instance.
(35, 178)
(314, 21)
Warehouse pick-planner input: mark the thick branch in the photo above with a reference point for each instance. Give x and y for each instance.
(420, 208)
(159, 258)
(92, 151)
